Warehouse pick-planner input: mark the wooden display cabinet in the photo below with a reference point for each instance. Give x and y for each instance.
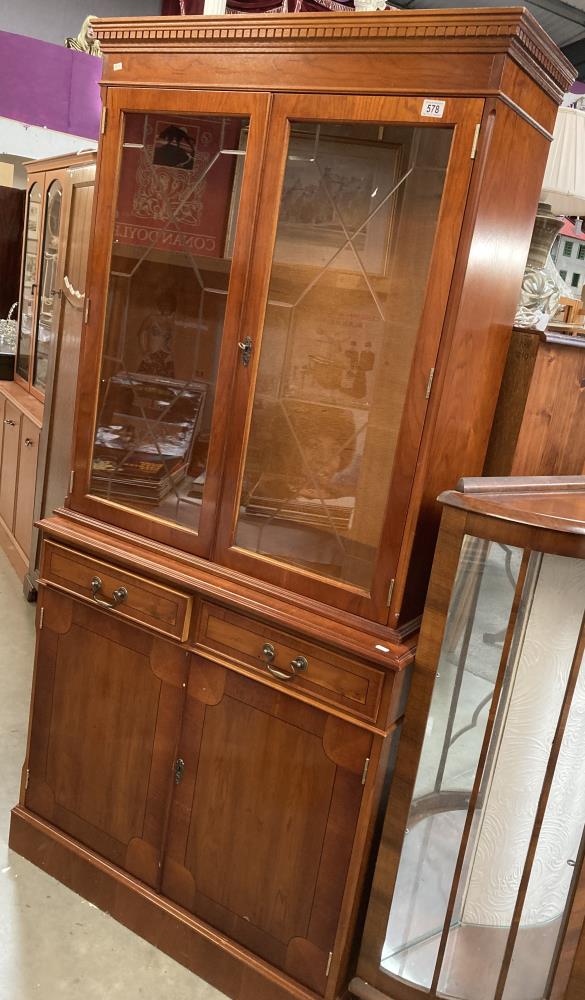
(35, 454)
(49, 200)
(53, 472)
(295, 339)
(479, 882)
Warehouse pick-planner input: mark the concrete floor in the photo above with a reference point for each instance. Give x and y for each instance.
(53, 944)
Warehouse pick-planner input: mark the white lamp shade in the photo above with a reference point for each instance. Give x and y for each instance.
(563, 187)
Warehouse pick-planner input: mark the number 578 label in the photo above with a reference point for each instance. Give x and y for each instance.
(432, 108)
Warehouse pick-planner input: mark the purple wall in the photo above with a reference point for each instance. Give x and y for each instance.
(49, 85)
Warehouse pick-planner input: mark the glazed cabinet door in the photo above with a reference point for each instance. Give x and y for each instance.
(107, 705)
(176, 203)
(363, 201)
(29, 282)
(263, 819)
(49, 285)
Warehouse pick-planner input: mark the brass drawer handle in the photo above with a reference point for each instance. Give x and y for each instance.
(269, 652)
(118, 595)
(298, 665)
(10, 423)
(28, 442)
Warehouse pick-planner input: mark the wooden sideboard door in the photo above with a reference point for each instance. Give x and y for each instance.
(106, 714)
(25, 485)
(263, 819)
(8, 474)
(2, 415)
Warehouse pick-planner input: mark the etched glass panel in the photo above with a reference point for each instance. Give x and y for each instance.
(29, 278)
(176, 214)
(357, 221)
(47, 285)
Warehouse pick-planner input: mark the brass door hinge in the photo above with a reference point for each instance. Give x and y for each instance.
(390, 592)
(86, 309)
(104, 120)
(71, 480)
(429, 383)
(41, 618)
(475, 140)
(365, 770)
(329, 960)
(26, 779)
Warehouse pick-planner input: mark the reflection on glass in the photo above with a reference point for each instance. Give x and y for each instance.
(546, 634)
(358, 214)
(468, 951)
(48, 285)
(466, 675)
(554, 870)
(176, 214)
(27, 298)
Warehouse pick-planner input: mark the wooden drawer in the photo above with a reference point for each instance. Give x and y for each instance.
(329, 677)
(147, 603)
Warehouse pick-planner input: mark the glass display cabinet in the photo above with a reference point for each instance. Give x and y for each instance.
(308, 241)
(57, 358)
(478, 891)
(49, 202)
(56, 241)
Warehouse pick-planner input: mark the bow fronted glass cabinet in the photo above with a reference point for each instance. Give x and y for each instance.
(308, 240)
(479, 887)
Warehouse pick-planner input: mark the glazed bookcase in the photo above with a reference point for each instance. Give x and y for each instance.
(309, 235)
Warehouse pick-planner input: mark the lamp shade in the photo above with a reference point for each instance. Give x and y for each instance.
(563, 187)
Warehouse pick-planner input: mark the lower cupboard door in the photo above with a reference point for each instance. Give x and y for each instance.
(107, 706)
(263, 821)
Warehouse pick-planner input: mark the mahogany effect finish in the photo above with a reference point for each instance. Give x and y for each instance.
(256, 495)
